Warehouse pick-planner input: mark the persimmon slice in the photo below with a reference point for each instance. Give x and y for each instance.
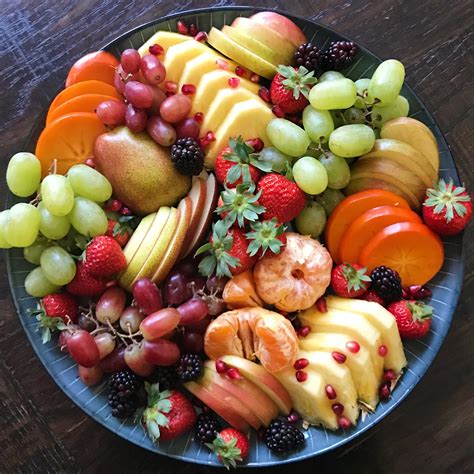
(411, 249)
(99, 65)
(366, 226)
(69, 139)
(350, 209)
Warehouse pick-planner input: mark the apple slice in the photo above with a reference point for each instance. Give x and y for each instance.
(137, 237)
(256, 374)
(263, 407)
(219, 405)
(212, 193)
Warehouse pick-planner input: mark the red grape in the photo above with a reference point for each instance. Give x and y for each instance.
(138, 94)
(192, 311)
(197, 283)
(111, 305)
(135, 359)
(64, 336)
(188, 128)
(90, 375)
(121, 77)
(130, 61)
(147, 296)
(176, 289)
(158, 97)
(193, 342)
(175, 108)
(135, 119)
(105, 342)
(216, 306)
(115, 361)
(162, 132)
(199, 327)
(83, 349)
(161, 352)
(216, 284)
(111, 112)
(130, 319)
(159, 323)
(86, 323)
(187, 267)
(152, 69)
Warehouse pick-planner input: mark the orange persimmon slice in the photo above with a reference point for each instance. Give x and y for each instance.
(367, 225)
(69, 139)
(99, 65)
(350, 209)
(411, 249)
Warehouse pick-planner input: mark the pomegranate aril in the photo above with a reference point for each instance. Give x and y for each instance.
(330, 392)
(90, 162)
(222, 64)
(221, 367)
(147, 296)
(338, 408)
(113, 205)
(199, 117)
(188, 89)
(293, 417)
(182, 27)
(384, 391)
(256, 143)
(233, 82)
(210, 137)
(264, 94)
(344, 423)
(156, 49)
(301, 375)
(419, 292)
(339, 357)
(240, 71)
(383, 351)
(201, 36)
(321, 305)
(193, 30)
(353, 346)
(277, 111)
(303, 331)
(389, 375)
(255, 77)
(301, 364)
(233, 374)
(159, 323)
(171, 86)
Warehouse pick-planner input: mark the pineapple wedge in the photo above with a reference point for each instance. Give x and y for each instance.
(165, 39)
(383, 320)
(360, 364)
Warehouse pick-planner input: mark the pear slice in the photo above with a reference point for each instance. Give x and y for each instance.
(360, 363)
(383, 320)
(165, 39)
(137, 237)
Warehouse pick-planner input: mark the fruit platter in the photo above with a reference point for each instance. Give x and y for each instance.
(235, 237)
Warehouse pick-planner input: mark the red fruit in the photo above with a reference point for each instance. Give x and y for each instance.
(322, 305)
(182, 27)
(170, 416)
(447, 208)
(230, 446)
(349, 280)
(83, 349)
(104, 257)
(371, 295)
(280, 197)
(61, 305)
(239, 251)
(121, 233)
(290, 88)
(301, 375)
(301, 364)
(86, 284)
(413, 318)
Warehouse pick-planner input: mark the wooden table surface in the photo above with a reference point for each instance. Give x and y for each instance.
(433, 431)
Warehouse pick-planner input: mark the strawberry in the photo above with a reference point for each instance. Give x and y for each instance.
(228, 250)
(85, 284)
(280, 197)
(230, 446)
(349, 280)
(266, 235)
(371, 295)
(104, 257)
(238, 164)
(169, 414)
(413, 318)
(290, 88)
(120, 232)
(447, 208)
(60, 305)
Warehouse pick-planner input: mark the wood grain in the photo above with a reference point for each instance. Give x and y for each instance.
(42, 430)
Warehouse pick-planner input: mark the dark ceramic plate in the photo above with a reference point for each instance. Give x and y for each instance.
(445, 286)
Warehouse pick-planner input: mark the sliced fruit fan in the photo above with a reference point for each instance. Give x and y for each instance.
(232, 238)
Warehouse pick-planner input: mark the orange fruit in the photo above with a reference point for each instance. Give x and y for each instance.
(99, 65)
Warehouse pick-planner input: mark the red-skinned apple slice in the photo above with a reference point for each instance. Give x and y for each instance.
(256, 374)
(247, 392)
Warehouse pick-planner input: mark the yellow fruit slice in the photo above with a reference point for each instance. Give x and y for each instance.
(137, 237)
(165, 39)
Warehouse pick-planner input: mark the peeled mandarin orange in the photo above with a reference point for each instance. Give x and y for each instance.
(240, 292)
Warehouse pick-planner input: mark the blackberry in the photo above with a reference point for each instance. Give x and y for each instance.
(309, 56)
(386, 283)
(339, 55)
(166, 377)
(187, 157)
(282, 436)
(207, 428)
(189, 367)
(124, 387)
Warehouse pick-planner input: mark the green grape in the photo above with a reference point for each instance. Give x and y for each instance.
(318, 124)
(88, 218)
(57, 194)
(351, 140)
(336, 94)
(330, 199)
(386, 82)
(354, 115)
(362, 85)
(330, 76)
(22, 225)
(399, 108)
(57, 265)
(33, 253)
(277, 159)
(311, 220)
(37, 285)
(313, 151)
(3, 222)
(51, 226)
(89, 183)
(339, 173)
(310, 175)
(23, 174)
(337, 118)
(287, 137)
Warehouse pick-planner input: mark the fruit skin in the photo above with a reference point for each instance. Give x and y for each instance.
(123, 388)
(339, 55)
(413, 318)
(230, 446)
(447, 208)
(281, 197)
(104, 257)
(309, 56)
(189, 367)
(386, 283)
(282, 436)
(207, 427)
(187, 157)
(372, 296)
(60, 305)
(98, 65)
(85, 284)
(349, 280)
